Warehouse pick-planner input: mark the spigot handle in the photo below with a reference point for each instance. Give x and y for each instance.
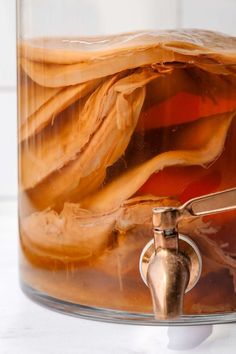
(210, 204)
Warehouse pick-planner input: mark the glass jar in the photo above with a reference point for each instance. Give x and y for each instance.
(123, 117)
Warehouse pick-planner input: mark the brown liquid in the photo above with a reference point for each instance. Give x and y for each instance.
(81, 241)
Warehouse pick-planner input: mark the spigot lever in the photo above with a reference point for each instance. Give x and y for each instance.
(210, 204)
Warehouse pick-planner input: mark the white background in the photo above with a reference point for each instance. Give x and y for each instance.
(212, 14)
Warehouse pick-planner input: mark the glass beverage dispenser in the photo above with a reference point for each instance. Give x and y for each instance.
(127, 173)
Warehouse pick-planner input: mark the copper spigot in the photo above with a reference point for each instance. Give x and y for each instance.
(171, 264)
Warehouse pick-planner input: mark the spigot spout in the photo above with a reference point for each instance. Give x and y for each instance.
(169, 270)
(170, 264)
(167, 277)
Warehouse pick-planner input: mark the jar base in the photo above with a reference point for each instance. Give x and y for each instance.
(122, 317)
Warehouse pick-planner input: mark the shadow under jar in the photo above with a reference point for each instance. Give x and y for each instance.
(111, 127)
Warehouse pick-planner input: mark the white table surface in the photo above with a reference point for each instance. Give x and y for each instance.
(27, 328)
